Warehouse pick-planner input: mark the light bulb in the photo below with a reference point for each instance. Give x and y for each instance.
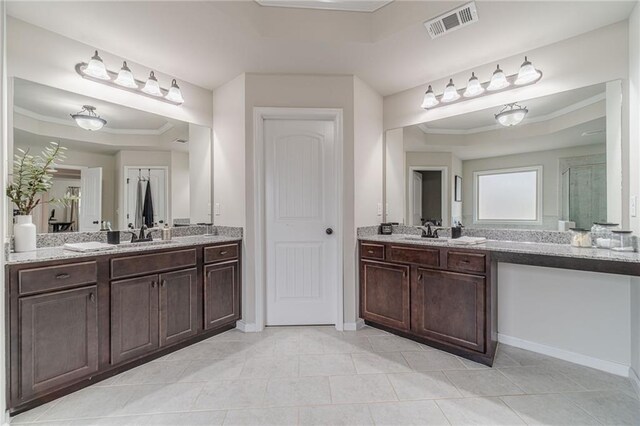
(498, 80)
(125, 77)
(474, 88)
(527, 73)
(96, 69)
(450, 93)
(429, 100)
(152, 87)
(175, 95)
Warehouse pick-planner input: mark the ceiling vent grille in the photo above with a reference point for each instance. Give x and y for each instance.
(452, 20)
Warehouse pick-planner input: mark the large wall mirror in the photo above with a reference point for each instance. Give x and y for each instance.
(138, 168)
(559, 167)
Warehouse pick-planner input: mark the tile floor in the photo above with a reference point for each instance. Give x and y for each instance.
(316, 375)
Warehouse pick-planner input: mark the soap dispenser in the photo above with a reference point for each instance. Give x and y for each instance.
(166, 232)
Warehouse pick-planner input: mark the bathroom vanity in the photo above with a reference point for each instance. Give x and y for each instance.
(75, 319)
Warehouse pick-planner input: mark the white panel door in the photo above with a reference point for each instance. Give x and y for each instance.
(417, 198)
(158, 181)
(301, 212)
(90, 204)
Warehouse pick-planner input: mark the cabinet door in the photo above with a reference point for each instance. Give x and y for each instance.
(178, 305)
(449, 307)
(58, 339)
(384, 294)
(221, 294)
(134, 317)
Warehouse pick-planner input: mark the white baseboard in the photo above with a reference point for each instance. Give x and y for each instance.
(353, 326)
(576, 358)
(246, 327)
(635, 380)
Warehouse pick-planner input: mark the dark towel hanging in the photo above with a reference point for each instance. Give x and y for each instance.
(147, 210)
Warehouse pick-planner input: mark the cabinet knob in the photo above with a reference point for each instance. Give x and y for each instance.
(153, 284)
(420, 277)
(92, 297)
(163, 283)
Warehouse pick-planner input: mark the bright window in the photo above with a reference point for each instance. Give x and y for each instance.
(508, 195)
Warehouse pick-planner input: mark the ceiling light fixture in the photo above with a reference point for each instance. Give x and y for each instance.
(88, 119)
(95, 70)
(499, 82)
(511, 115)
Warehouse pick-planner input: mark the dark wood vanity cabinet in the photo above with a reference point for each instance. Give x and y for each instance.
(75, 322)
(439, 296)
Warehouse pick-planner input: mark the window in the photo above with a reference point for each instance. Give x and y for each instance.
(508, 196)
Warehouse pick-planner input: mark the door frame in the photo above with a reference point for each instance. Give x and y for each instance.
(444, 189)
(260, 114)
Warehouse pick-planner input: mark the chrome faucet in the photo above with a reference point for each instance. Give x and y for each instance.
(141, 237)
(428, 232)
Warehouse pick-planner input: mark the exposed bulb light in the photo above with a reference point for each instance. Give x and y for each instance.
(474, 88)
(174, 94)
(88, 119)
(511, 115)
(429, 100)
(125, 77)
(152, 87)
(498, 80)
(527, 74)
(450, 93)
(95, 68)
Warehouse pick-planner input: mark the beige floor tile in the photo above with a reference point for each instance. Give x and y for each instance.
(407, 413)
(33, 414)
(153, 373)
(540, 379)
(336, 415)
(549, 409)
(478, 411)
(482, 383)
(367, 331)
(472, 365)
(271, 366)
(392, 343)
(346, 344)
(90, 402)
(592, 379)
(231, 394)
(361, 388)
(432, 361)
(196, 418)
(608, 407)
(326, 365)
(150, 399)
(210, 350)
(297, 391)
(522, 356)
(380, 362)
(286, 416)
(423, 385)
(205, 370)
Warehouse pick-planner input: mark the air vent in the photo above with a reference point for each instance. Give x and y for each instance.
(452, 20)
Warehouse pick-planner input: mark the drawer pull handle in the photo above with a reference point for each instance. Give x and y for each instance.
(62, 276)
(465, 261)
(222, 253)
(163, 283)
(370, 252)
(153, 284)
(92, 297)
(420, 277)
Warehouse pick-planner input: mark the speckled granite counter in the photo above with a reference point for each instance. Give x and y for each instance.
(59, 253)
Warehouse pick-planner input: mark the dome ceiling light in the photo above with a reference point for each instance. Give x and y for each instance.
(95, 70)
(499, 82)
(511, 115)
(88, 119)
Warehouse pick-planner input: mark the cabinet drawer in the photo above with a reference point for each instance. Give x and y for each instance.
(466, 262)
(420, 256)
(49, 278)
(218, 253)
(372, 251)
(151, 263)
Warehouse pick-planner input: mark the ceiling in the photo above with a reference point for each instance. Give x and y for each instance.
(208, 43)
(344, 5)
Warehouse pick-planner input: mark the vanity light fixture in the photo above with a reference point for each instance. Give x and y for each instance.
(96, 71)
(88, 119)
(499, 82)
(511, 115)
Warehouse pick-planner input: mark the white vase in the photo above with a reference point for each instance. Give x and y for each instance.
(24, 232)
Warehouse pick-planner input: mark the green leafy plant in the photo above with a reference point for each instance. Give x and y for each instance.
(33, 175)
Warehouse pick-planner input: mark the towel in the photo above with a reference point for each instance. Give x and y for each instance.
(468, 240)
(147, 210)
(139, 204)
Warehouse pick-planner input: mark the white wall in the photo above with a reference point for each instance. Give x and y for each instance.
(429, 159)
(394, 176)
(180, 188)
(200, 174)
(580, 312)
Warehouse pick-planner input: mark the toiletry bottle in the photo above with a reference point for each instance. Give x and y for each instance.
(166, 232)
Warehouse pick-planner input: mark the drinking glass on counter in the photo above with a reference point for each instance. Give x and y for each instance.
(601, 234)
(580, 237)
(621, 240)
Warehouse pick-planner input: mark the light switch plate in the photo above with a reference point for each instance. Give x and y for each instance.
(216, 210)
(379, 209)
(633, 206)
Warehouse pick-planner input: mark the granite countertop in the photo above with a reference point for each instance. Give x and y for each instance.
(59, 253)
(546, 249)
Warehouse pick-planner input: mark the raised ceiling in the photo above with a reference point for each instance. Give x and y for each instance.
(344, 5)
(210, 42)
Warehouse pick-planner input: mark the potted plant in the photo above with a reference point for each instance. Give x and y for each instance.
(32, 176)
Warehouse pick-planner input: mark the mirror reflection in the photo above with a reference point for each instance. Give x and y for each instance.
(551, 164)
(126, 167)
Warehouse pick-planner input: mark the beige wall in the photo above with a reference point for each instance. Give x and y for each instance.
(180, 194)
(200, 174)
(394, 170)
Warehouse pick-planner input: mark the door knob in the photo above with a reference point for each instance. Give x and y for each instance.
(329, 231)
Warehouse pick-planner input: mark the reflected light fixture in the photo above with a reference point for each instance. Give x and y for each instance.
(96, 69)
(527, 74)
(450, 93)
(88, 119)
(474, 88)
(125, 77)
(498, 80)
(511, 115)
(175, 95)
(429, 100)
(152, 87)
